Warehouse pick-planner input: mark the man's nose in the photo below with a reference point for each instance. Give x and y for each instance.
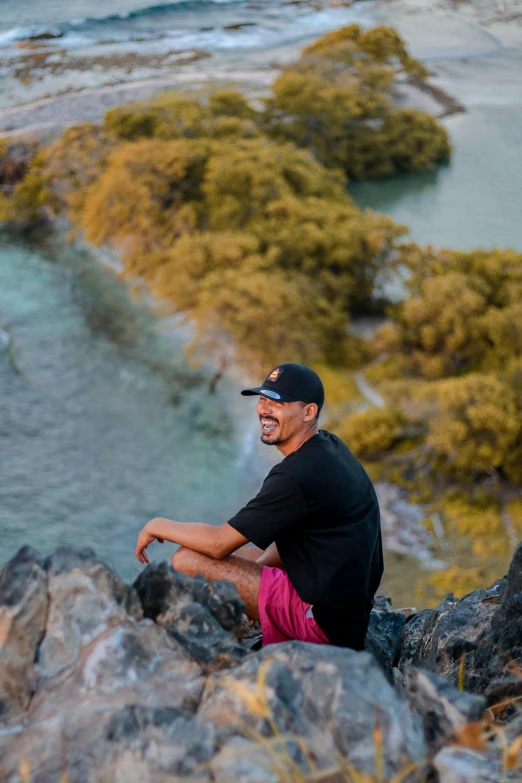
(264, 408)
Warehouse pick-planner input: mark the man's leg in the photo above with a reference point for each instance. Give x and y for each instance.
(245, 573)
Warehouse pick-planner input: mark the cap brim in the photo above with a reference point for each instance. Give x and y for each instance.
(272, 394)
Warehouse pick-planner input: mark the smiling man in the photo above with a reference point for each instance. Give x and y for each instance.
(317, 559)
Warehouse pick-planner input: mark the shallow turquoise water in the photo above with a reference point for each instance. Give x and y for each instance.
(102, 426)
(476, 199)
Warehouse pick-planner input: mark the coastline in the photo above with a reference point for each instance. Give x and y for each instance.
(42, 117)
(47, 117)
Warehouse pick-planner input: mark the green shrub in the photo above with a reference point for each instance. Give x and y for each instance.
(372, 432)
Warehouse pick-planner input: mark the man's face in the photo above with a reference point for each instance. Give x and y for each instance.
(280, 421)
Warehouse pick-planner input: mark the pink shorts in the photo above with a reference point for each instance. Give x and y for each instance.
(282, 613)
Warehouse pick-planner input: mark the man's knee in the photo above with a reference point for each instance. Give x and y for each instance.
(183, 560)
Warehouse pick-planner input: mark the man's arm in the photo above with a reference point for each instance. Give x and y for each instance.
(270, 557)
(216, 542)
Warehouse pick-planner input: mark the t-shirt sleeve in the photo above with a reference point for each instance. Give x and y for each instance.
(277, 508)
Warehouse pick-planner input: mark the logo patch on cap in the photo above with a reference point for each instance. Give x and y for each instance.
(269, 393)
(274, 375)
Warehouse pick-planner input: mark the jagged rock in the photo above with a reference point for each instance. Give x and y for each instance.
(305, 688)
(398, 679)
(202, 636)
(437, 638)
(384, 633)
(240, 761)
(95, 658)
(111, 697)
(495, 668)
(132, 664)
(382, 603)
(160, 587)
(143, 742)
(412, 637)
(444, 709)
(463, 765)
(244, 761)
(86, 598)
(23, 611)
(247, 629)
(199, 614)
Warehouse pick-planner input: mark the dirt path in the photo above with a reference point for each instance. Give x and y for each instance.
(369, 393)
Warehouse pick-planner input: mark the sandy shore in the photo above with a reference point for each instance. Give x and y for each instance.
(48, 116)
(443, 31)
(77, 102)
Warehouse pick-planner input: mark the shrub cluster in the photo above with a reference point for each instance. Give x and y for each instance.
(458, 338)
(336, 101)
(216, 206)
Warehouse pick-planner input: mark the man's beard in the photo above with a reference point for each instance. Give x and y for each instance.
(269, 442)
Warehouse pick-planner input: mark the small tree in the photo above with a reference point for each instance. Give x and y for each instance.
(372, 432)
(476, 426)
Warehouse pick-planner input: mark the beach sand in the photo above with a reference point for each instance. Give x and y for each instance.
(78, 93)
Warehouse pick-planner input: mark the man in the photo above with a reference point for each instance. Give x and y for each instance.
(318, 556)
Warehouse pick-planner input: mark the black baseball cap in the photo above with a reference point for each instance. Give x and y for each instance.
(291, 382)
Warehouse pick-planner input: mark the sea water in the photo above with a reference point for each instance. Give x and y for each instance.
(102, 423)
(205, 24)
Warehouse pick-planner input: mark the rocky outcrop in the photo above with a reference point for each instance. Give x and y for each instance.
(23, 613)
(97, 655)
(437, 639)
(445, 710)
(465, 765)
(197, 613)
(160, 587)
(496, 668)
(384, 633)
(106, 682)
(478, 636)
(303, 690)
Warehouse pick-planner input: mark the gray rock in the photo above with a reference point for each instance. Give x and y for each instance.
(134, 663)
(408, 651)
(383, 636)
(301, 689)
(463, 765)
(444, 709)
(23, 611)
(96, 657)
(249, 633)
(194, 627)
(107, 696)
(86, 599)
(144, 742)
(277, 759)
(197, 613)
(495, 668)
(436, 639)
(242, 762)
(160, 587)
(382, 603)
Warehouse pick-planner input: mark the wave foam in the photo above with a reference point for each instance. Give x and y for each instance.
(63, 31)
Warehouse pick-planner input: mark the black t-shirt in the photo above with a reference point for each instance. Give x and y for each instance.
(320, 508)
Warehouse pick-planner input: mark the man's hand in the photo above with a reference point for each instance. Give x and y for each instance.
(145, 537)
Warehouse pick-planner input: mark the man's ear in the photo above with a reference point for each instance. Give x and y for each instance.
(311, 411)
